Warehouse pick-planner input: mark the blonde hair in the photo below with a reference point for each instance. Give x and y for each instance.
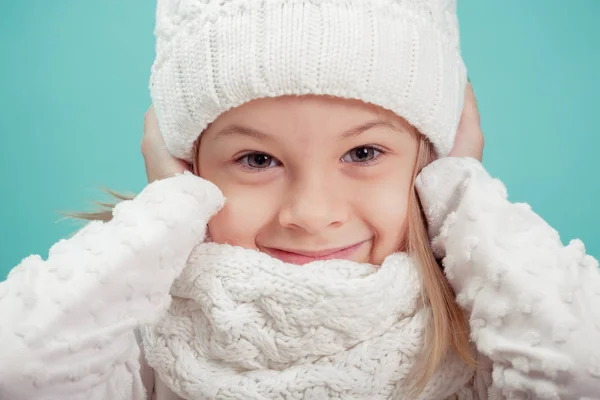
(448, 328)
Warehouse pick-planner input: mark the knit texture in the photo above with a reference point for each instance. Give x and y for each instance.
(214, 55)
(243, 325)
(534, 304)
(67, 323)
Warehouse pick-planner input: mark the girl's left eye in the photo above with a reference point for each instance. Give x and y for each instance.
(362, 155)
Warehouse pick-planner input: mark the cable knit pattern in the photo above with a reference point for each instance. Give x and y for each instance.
(534, 304)
(246, 326)
(67, 324)
(214, 55)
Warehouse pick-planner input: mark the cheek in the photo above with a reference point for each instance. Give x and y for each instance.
(244, 216)
(388, 218)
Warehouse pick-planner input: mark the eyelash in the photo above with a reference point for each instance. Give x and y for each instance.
(240, 161)
(380, 152)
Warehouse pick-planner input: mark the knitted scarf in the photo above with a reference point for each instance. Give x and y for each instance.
(243, 325)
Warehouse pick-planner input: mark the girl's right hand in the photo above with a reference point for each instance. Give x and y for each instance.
(159, 162)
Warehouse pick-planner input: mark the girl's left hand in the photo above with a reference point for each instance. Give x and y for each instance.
(469, 137)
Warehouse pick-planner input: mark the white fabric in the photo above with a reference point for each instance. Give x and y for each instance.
(243, 325)
(214, 55)
(67, 323)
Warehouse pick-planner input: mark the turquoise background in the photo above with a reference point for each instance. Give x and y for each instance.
(73, 92)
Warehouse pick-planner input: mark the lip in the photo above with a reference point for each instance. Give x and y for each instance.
(300, 257)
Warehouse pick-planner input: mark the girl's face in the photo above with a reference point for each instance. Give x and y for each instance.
(310, 178)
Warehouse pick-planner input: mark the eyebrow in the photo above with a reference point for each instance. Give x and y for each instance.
(367, 126)
(253, 133)
(242, 130)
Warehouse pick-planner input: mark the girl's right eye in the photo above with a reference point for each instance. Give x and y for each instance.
(258, 161)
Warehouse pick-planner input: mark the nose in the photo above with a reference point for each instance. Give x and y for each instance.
(313, 205)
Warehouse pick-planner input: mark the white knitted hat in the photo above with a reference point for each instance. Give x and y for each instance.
(214, 55)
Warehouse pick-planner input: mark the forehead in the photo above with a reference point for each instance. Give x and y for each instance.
(304, 116)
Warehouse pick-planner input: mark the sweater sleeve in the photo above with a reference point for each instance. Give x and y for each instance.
(67, 324)
(533, 303)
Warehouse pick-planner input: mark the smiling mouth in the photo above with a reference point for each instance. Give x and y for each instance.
(301, 257)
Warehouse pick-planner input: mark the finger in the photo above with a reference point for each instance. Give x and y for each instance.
(151, 122)
(152, 139)
(470, 108)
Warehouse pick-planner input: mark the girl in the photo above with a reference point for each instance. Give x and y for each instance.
(326, 125)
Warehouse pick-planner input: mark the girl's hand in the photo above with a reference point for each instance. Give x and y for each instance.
(469, 137)
(159, 162)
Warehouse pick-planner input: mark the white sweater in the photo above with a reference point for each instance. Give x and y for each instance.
(68, 324)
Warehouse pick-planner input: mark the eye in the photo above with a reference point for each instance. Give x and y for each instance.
(362, 155)
(258, 161)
